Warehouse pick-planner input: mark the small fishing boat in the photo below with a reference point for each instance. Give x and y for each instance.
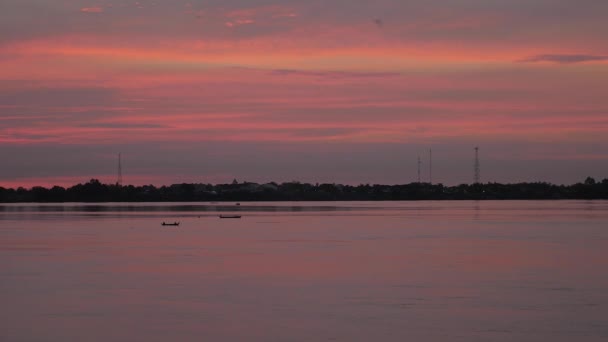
(230, 216)
(171, 224)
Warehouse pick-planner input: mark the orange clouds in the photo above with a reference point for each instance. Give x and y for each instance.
(83, 52)
(311, 73)
(192, 93)
(91, 10)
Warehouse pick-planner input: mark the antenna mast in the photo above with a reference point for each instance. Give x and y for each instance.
(430, 166)
(477, 175)
(119, 180)
(419, 163)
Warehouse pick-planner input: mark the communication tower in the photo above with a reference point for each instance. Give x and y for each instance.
(477, 175)
(119, 179)
(419, 164)
(430, 166)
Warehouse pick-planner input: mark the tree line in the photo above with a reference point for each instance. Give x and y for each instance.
(95, 191)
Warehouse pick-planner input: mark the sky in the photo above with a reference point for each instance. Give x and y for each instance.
(344, 91)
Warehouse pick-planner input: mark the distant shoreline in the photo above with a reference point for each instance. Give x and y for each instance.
(96, 192)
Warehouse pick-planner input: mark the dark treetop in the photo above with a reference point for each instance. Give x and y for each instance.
(95, 191)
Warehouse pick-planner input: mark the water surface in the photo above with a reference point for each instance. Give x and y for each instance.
(336, 271)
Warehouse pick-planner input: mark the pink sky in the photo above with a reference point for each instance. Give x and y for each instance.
(347, 92)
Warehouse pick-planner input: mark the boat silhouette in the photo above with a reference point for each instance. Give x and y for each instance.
(230, 216)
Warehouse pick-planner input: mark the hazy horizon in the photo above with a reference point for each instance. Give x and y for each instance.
(66, 184)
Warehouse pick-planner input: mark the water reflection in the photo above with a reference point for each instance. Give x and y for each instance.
(423, 271)
(476, 208)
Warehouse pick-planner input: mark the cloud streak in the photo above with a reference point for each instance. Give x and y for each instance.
(333, 74)
(91, 10)
(564, 59)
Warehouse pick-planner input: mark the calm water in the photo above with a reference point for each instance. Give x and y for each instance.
(415, 271)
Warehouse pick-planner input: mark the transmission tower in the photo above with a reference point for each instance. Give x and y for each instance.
(419, 164)
(477, 175)
(430, 166)
(119, 179)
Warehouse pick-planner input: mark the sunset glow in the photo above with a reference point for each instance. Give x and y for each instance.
(193, 91)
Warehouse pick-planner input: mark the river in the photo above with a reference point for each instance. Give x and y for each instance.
(322, 271)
